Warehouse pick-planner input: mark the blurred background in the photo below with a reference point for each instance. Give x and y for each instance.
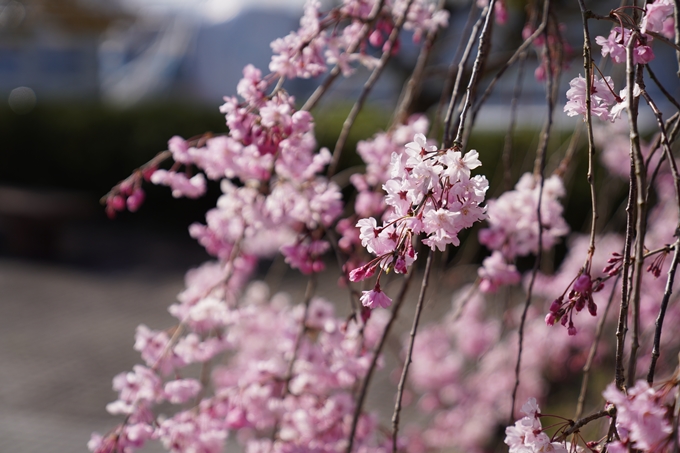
(90, 90)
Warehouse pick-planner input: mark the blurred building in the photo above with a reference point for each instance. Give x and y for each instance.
(50, 46)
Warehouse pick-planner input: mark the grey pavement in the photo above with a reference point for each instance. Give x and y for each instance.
(64, 334)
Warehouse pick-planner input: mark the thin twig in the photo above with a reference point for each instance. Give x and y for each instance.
(656, 351)
(578, 424)
(641, 206)
(587, 65)
(593, 351)
(507, 145)
(363, 391)
(454, 68)
(309, 293)
(448, 120)
(409, 354)
(482, 50)
(665, 92)
(335, 72)
(515, 56)
(676, 255)
(368, 86)
(414, 83)
(539, 167)
(569, 153)
(622, 324)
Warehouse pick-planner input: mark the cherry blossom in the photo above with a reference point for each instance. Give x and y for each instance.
(641, 415)
(602, 98)
(658, 15)
(615, 46)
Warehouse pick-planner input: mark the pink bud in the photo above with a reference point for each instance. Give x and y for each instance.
(148, 172)
(550, 319)
(583, 284)
(126, 187)
(362, 272)
(571, 330)
(116, 202)
(580, 303)
(376, 38)
(135, 200)
(556, 304)
(400, 266)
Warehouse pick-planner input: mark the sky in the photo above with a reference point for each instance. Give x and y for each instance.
(213, 11)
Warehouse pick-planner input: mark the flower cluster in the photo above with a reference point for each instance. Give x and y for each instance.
(308, 51)
(309, 403)
(527, 435)
(641, 418)
(431, 193)
(615, 46)
(659, 18)
(513, 227)
(273, 198)
(604, 103)
(496, 272)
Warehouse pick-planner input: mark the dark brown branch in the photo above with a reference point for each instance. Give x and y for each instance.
(580, 423)
(368, 86)
(448, 120)
(539, 168)
(363, 391)
(482, 52)
(593, 351)
(409, 354)
(632, 76)
(335, 72)
(676, 255)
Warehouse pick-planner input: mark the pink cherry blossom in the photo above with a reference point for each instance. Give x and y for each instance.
(615, 46)
(181, 185)
(375, 298)
(496, 272)
(602, 98)
(656, 15)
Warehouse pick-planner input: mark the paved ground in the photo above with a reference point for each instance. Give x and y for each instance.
(67, 326)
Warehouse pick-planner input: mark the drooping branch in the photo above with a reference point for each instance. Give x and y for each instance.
(336, 71)
(368, 87)
(414, 83)
(668, 290)
(449, 118)
(632, 72)
(482, 51)
(409, 354)
(366, 381)
(539, 168)
(593, 350)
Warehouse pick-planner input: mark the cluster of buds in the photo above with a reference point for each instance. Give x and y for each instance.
(580, 297)
(128, 194)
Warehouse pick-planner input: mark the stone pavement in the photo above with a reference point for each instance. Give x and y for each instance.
(64, 334)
